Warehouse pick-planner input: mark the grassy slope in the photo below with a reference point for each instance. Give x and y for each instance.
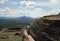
(10, 35)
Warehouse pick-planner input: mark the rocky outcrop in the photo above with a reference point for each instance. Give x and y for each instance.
(45, 29)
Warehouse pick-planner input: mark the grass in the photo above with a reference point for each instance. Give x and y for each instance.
(11, 36)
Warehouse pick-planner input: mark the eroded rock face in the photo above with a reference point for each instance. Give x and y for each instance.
(54, 27)
(51, 31)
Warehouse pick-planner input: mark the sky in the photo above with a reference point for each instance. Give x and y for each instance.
(31, 8)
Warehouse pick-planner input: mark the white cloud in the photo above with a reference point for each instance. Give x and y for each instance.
(34, 13)
(27, 3)
(55, 1)
(55, 11)
(3, 1)
(8, 12)
(48, 3)
(42, 3)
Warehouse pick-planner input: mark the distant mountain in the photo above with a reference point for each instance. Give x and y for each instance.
(15, 22)
(24, 18)
(18, 18)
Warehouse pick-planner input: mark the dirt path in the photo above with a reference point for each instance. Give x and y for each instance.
(29, 36)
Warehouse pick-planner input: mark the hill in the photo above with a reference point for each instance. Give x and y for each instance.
(46, 28)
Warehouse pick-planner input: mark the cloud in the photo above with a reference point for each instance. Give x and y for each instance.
(48, 3)
(55, 11)
(3, 1)
(27, 3)
(35, 13)
(8, 12)
(55, 1)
